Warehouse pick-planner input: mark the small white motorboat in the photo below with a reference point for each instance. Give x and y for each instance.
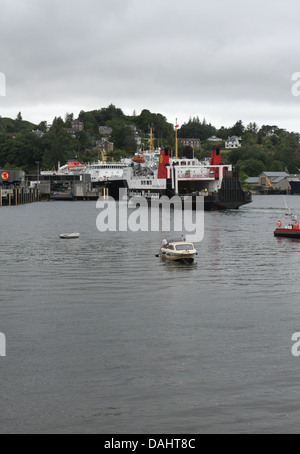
(69, 236)
(178, 251)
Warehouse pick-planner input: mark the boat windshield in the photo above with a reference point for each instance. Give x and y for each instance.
(184, 247)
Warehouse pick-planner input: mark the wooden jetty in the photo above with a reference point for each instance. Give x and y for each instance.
(18, 196)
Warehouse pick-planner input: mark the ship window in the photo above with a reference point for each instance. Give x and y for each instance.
(184, 247)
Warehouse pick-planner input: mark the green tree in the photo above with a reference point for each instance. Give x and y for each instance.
(238, 129)
(69, 117)
(278, 166)
(252, 128)
(43, 126)
(58, 144)
(25, 150)
(195, 129)
(252, 167)
(90, 123)
(145, 121)
(123, 137)
(6, 144)
(106, 114)
(248, 138)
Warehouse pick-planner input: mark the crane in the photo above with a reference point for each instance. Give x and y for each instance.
(104, 157)
(269, 183)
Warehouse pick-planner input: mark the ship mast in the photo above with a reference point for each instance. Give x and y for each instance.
(176, 139)
(151, 140)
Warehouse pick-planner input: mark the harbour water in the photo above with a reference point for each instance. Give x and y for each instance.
(102, 337)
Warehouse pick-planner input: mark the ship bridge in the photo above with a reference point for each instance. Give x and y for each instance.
(192, 176)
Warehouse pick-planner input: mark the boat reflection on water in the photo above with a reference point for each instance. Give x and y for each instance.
(179, 266)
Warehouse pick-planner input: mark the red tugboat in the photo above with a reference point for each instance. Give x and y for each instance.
(291, 230)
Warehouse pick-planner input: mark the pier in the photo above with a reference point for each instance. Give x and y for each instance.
(67, 187)
(18, 196)
(14, 190)
(18, 189)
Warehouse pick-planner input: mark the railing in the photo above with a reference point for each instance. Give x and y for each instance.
(193, 175)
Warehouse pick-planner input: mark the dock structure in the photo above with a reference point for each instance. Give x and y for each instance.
(18, 196)
(67, 187)
(18, 189)
(13, 189)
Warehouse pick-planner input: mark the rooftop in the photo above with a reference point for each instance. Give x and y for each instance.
(275, 174)
(252, 180)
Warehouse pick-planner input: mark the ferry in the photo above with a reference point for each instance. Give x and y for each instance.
(218, 183)
(155, 174)
(100, 171)
(100, 174)
(103, 171)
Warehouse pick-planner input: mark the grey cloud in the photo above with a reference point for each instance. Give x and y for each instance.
(184, 57)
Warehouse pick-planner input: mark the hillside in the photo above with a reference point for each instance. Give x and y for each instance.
(11, 126)
(265, 148)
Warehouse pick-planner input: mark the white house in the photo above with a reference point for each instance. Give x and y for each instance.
(233, 142)
(214, 139)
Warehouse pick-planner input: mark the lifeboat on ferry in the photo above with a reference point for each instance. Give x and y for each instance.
(74, 164)
(290, 229)
(139, 158)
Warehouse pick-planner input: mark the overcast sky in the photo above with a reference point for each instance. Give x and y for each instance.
(225, 60)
